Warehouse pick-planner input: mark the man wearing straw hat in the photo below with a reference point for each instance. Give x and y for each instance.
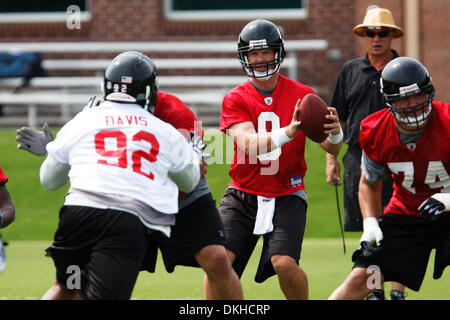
(356, 95)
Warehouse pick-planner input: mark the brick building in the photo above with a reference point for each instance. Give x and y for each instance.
(425, 23)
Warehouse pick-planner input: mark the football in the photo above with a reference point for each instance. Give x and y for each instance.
(312, 115)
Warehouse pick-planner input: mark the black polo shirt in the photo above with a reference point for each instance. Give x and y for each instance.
(357, 94)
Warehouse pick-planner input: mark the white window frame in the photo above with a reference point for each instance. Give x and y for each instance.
(43, 17)
(202, 15)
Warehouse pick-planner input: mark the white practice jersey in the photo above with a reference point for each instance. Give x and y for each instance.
(123, 149)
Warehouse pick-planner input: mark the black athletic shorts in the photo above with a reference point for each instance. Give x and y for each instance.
(106, 246)
(197, 225)
(238, 212)
(352, 174)
(406, 247)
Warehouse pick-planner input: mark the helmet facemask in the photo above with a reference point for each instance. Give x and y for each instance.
(148, 100)
(414, 117)
(271, 67)
(261, 35)
(401, 79)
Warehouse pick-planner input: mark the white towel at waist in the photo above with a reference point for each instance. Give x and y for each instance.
(264, 215)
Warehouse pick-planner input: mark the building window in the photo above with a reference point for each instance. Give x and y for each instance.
(32, 11)
(234, 9)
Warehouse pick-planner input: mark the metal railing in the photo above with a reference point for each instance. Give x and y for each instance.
(217, 85)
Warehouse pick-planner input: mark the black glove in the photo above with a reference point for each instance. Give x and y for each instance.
(431, 208)
(34, 141)
(369, 250)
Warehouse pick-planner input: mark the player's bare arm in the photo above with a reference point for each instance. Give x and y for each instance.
(333, 167)
(253, 143)
(7, 208)
(335, 134)
(295, 126)
(369, 196)
(248, 140)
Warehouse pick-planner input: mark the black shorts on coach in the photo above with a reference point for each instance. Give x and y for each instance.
(197, 225)
(238, 212)
(406, 247)
(107, 246)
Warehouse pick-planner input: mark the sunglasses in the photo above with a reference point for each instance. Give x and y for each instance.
(381, 34)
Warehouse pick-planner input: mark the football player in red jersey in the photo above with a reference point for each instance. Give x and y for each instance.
(410, 141)
(267, 195)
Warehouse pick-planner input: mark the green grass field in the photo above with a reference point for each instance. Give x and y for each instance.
(29, 273)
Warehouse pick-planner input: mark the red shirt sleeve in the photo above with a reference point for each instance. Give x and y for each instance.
(233, 110)
(372, 133)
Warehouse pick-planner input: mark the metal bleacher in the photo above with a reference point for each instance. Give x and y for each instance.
(56, 99)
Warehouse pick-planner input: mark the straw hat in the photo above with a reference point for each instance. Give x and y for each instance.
(377, 18)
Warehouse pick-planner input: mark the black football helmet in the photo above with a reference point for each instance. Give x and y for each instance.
(131, 77)
(261, 34)
(404, 77)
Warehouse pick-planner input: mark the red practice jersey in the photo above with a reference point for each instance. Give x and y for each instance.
(419, 169)
(280, 172)
(3, 177)
(172, 110)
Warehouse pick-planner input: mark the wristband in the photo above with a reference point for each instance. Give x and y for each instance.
(279, 137)
(336, 138)
(1, 218)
